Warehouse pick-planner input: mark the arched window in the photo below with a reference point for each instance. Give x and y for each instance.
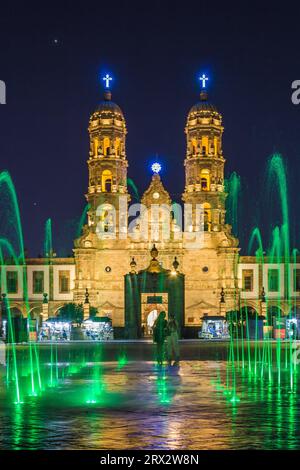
(106, 146)
(204, 184)
(204, 145)
(205, 180)
(106, 216)
(106, 181)
(108, 186)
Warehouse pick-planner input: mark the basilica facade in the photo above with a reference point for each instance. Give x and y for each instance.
(202, 247)
(171, 256)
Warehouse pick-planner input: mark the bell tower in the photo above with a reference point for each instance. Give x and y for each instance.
(100, 252)
(107, 165)
(209, 265)
(204, 165)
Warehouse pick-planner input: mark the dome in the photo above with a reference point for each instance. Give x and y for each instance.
(203, 108)
(107, 109)
(107, 106)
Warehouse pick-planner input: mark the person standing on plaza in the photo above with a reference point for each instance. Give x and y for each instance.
(173, 341)
(159, 336)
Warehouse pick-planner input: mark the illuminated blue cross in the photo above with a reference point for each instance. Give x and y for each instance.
(203, 80)
(107, 79)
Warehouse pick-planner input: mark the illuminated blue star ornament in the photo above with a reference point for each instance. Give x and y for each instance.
(156, 168)
(107, 80)
(203, 79)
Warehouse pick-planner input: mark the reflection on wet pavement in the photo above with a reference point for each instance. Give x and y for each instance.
(138, 406)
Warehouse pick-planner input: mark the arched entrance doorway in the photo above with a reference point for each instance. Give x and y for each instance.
(154, 288)
(151, 306)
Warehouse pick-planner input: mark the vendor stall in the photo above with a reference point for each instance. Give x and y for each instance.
(54, 329)
(98, 329)
(214, 327)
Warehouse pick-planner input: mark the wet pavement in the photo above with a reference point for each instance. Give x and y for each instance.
(135, 405)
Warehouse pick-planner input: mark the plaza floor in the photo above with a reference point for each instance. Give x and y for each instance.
(132, 404)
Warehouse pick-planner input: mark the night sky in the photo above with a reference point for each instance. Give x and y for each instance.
(52, 59)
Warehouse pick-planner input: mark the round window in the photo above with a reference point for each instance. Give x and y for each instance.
(108, 269)
(205, 269)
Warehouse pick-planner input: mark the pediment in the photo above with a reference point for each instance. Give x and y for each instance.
(156, 188)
